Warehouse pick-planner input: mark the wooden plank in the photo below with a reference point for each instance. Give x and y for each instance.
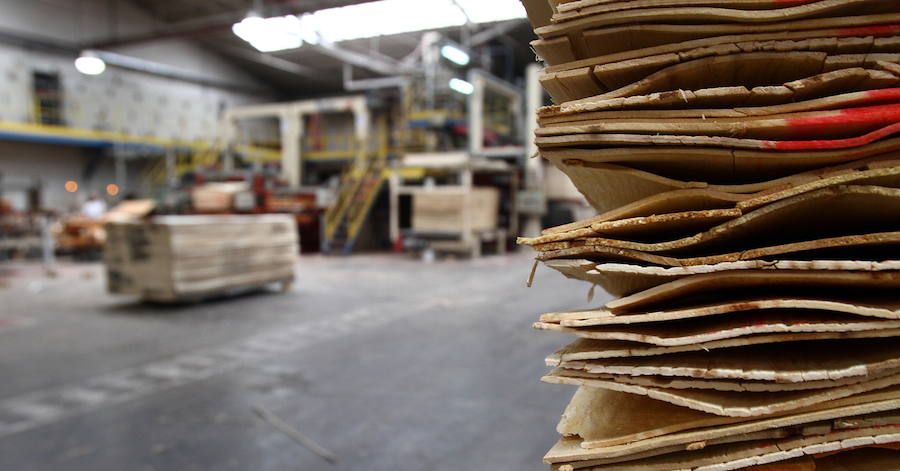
(729, 403)
(743, 324)
(632, 423)
(785, 363)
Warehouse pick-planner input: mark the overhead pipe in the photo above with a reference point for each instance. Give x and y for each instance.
(397, 81)
(168, 71)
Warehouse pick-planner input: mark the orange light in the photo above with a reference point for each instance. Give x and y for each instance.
(112, 189)
(71, 186)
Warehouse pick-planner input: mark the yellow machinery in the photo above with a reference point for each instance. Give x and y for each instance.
(360, 185)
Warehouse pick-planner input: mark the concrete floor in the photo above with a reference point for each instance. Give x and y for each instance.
(390, 363)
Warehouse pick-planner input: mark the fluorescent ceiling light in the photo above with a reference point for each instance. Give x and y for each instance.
(455, 54)
(89, 64)
(367, 20)
(270, 34)
(461, 86)
(487, 11)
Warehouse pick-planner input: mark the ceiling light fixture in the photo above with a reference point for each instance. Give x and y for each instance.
(461, 86)
(89, 64)
(269, 34)
(371, 19)
(455, 55)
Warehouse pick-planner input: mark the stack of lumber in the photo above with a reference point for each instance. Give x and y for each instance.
(743, 157)
(217, 197)
(455, 210)
(178, 258)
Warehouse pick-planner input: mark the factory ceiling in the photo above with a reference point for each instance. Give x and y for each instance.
(313, 70)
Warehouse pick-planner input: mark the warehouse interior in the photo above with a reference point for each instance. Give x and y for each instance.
(347, 178)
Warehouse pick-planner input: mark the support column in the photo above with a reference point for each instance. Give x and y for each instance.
(394, 183)
(48, 245)
(291, 163)
(228, 159)
(534, 167)
(476, 114)
(171, 164)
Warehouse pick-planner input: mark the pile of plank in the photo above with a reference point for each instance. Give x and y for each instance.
(181, 258)
(744, 159)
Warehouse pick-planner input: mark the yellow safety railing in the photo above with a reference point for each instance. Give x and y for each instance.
(359, 188)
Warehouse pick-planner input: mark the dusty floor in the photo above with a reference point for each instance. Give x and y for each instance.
(389, 363)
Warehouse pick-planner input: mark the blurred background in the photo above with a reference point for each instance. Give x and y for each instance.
(273, 234)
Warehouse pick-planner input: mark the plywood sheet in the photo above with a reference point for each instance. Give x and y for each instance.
(735, 69)
(877, 245)
(785, 363)
(624, 139)
(742, 324)
(625, 422)
(631, 193)
(586, 349)
(823, 8)
(621, 279)
(865, 305)
(671, 212)
(821, 85)
(834, 123)
(623, 73)
(728, 385)
(717, 166)
(633, 423)
(611, 44)
(734, 10)
(735, 281)
(583, 112)
(583, 7)
(753, 454)
(621, 42)
(729, 403)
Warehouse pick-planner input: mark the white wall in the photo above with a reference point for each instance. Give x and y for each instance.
(118, 100)
(86, 21)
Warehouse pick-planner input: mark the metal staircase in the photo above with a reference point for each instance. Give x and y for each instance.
(360, 186)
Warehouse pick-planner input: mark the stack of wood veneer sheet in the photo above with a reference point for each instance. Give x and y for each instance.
(744, 159)
(185, 258)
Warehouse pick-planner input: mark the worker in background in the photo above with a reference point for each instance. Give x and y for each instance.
(94, 207)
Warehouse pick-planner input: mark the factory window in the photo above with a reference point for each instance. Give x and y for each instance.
(48, 98)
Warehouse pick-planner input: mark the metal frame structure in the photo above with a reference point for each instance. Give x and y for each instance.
(465, 166)
(290, 116)
(483, 82)
(475, 159)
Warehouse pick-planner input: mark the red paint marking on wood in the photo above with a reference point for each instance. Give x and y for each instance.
(877, 30)
(870, 114)
(835, 143)
(847, 121)
(868, 98)
(884, 93)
